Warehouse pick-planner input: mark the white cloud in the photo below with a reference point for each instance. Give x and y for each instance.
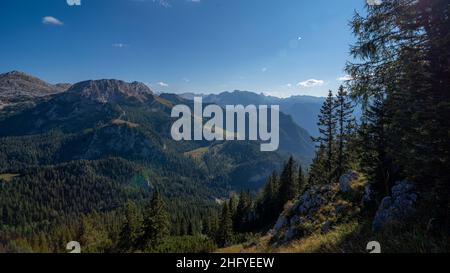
(311, 83)
(120, 45)
(345, 78)
(289, 85)
(164, 3)
(50, 20)
(163, 84)
(374, 2)
(74, 2)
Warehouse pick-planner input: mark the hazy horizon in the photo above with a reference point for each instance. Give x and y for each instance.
(168, 92)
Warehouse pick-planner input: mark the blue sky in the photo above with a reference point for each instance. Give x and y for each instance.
(279, 47)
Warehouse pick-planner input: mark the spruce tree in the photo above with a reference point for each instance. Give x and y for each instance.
(344, 111)
(378, 166)
(243, 210)
(288, 183)
(224, 235)
(156, 222)
(267, 205)
(93, 238)
(131, 231)
(301, 181)
(326, 140)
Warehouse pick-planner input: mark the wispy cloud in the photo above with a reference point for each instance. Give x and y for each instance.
(345, 78)
(120, 45)
(311, 83)
(264, 69)
(74, 2)
(50, 20)
(165, 3)
(163, 84)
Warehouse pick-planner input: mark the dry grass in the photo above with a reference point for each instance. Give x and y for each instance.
(164, 102)
(123, 122)
(317, 243)
(197, 153)
(321, 243)
(8, 177)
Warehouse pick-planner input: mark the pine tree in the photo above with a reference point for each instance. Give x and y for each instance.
(243, 210)
(402, 66)
(301, 181)
(344, 111)
(224, 235)
(288, 183)
(326, 140)
(93, 238)
(156, 222)
(267, 205)
(316, 171)
(232, 205)
(206, 226)
(380, 168)
(213, 225)
(191, 229)
(131, 230)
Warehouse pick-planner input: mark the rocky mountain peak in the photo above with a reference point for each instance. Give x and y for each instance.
(110, 90)
(16, 84)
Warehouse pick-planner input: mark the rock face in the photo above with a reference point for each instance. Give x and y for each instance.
(346, 180)
(399, 206)
(317, 203)
(110, 91)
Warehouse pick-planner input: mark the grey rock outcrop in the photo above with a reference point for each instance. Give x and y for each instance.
(397, 207)
(346, 180)
(319, 209)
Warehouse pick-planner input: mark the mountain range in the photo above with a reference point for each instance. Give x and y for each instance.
(304, 110)
(100, 119)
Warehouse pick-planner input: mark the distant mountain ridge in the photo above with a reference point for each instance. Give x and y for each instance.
(303, 109)
(18, 84)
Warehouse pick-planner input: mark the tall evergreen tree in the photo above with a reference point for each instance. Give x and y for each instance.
(224, 235)
(243, 211)
(376, 162)
(93, 238)
(301, 181)
(232, 205)
(344, 111)
(131, 231)
(288, 183)
(326, 140)
(267, 204)
(156, 222)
